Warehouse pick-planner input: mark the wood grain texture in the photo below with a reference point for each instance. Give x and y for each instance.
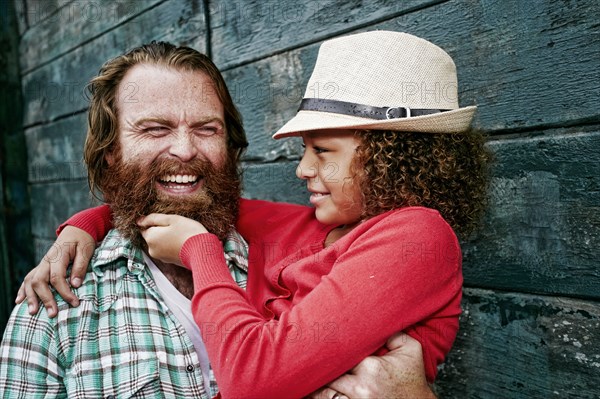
(267, 94)
(521, 346)
(37, 11)
(274, 182)
(21, 16)
(6, 273)
(542, 231)
(15, 245)
(57, 89)
(53, 203)
(245, 30)
(73, 25)
(55, 150)
(527, 65)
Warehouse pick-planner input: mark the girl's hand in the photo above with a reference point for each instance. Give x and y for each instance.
(73, 244)
(165, 235)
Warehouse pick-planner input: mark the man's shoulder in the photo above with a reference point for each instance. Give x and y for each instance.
(112, 260)
(24, 330)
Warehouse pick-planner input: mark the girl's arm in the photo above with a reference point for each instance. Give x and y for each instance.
(75, 243)
(405, 275)
(97, 222)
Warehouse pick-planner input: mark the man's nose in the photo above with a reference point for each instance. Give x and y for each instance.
(183, 147)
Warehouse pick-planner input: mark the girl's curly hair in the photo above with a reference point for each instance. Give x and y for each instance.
(446, 172)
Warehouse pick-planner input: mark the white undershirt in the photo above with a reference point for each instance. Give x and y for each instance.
(182, 309)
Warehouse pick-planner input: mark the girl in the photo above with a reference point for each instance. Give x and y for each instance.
(392, 169)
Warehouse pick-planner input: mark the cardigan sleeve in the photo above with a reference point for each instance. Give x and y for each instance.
(403, 273)
(95, 221)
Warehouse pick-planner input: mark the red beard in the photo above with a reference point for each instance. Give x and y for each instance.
(130, 190)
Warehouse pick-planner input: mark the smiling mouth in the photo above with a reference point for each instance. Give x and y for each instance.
(179, 183)
(317, 197)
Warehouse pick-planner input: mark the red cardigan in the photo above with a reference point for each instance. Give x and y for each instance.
(311, 313)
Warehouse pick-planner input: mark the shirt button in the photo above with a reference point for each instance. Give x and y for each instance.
(190, 368)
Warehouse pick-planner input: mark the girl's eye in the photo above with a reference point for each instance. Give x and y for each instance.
(316, 149)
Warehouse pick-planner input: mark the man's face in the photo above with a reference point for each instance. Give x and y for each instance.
(171, 114)
(172, 152)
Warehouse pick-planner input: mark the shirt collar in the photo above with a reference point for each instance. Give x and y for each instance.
(235, 249)
(115, 247)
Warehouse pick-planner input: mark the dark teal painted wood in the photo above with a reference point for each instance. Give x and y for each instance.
(55, 150)
(21, 17)
(513, 346)
(274, 182)
(53, 203)
(542, 231)
(267, 93)
(56, 89)
(72, 25)
(15, 234)
(527, 65)
(37, 11)
(243, 31)
(6, 282)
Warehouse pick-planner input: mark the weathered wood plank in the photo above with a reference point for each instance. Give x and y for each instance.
(74, 24)
(274, 182)
(249, 30)
(516, 68)
(14, 194)
(38, 11)
(520, 346)
(57, 88)
(53, 203)
(20, 11)
(6, 280)
(267, 94)
(542, 231)
(55, 150)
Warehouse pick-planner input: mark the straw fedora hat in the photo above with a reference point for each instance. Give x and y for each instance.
(381, 80)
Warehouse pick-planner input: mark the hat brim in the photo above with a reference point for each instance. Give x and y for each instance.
(454, 121)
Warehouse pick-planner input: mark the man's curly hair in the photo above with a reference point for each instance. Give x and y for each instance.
(446, 172)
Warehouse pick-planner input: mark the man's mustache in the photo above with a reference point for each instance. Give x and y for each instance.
(132, 193)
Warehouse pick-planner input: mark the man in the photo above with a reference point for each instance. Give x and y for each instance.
(163, 136)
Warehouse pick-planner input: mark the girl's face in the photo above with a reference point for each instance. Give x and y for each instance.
(325, 166)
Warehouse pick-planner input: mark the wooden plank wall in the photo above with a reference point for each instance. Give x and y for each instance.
(532, 275)
(15, 234)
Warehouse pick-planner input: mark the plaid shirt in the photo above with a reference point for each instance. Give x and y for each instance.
(122, 341)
